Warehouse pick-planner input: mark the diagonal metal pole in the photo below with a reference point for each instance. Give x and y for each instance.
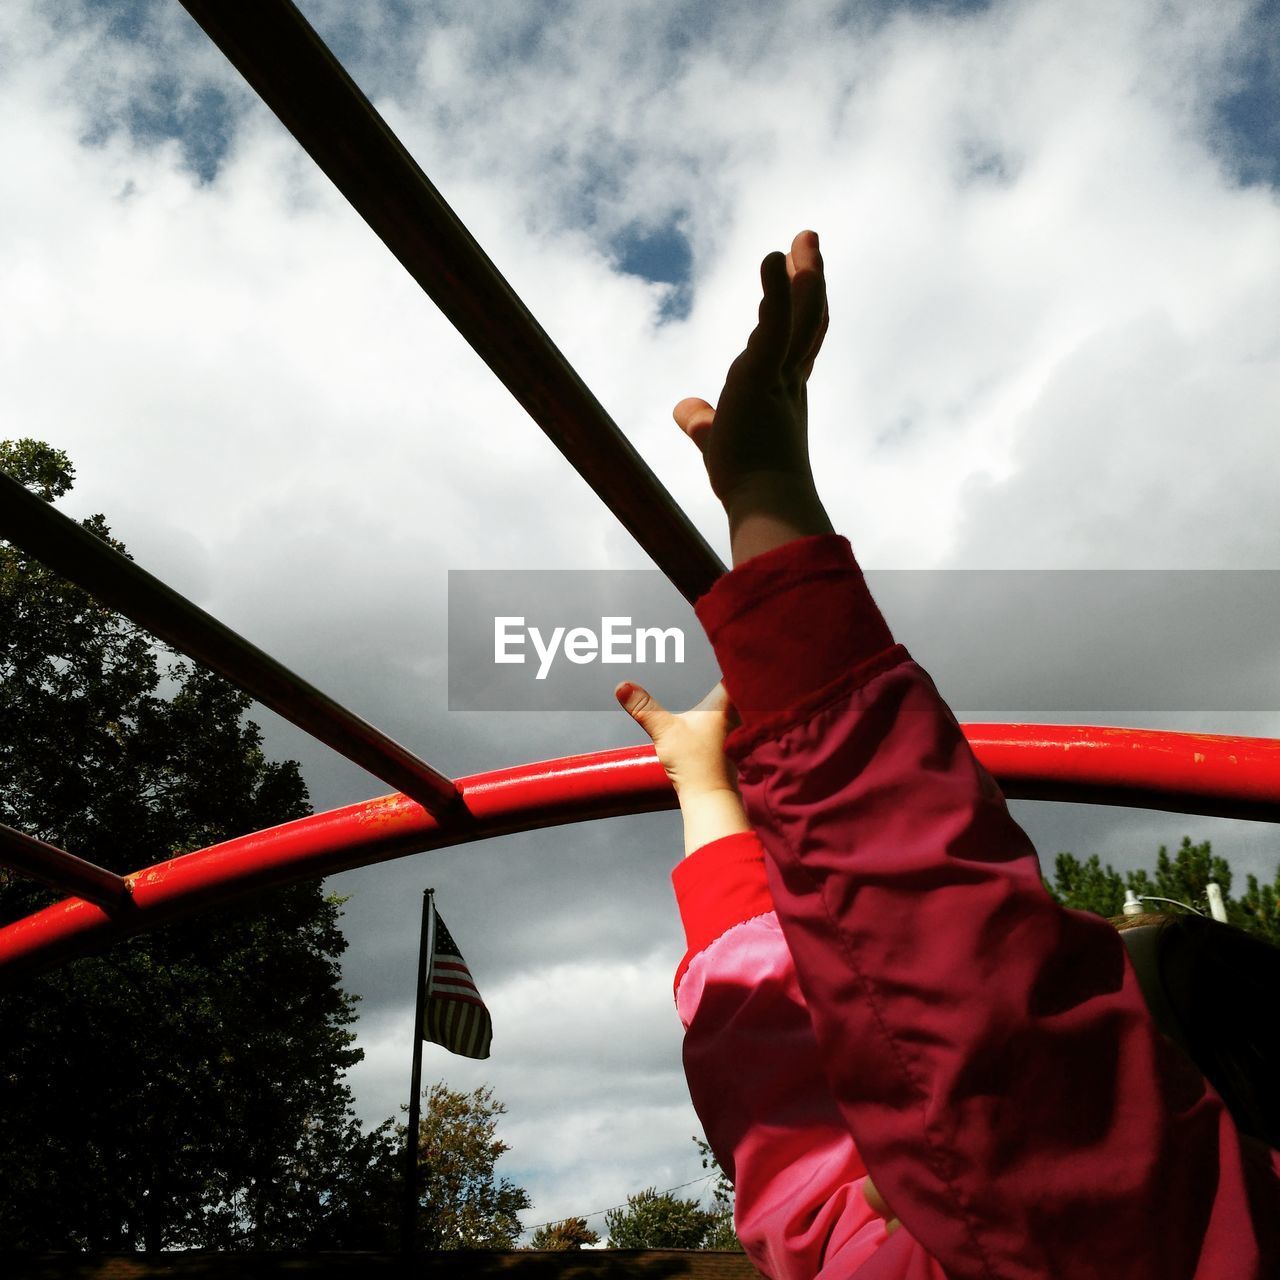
(271, 44)
(37, 528)
(62, 870)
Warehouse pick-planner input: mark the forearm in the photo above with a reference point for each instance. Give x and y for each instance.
(991, 1052)
(756, 1080)
(710, 815)
(769, 509)
(947, 991)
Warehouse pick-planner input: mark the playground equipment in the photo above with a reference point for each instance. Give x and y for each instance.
(285, 61)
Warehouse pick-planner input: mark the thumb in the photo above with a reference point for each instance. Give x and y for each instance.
(695, 418)
(643, 708)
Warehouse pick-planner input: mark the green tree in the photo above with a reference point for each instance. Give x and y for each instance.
(659, 1221)
(464, 1203)
(185, 1087)
(1182, 878)
(1259, 908)
(1087, 886)
(720, 1235)
(363, 1174)
(572, 1233)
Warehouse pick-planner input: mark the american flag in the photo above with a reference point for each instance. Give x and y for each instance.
(453, 1014)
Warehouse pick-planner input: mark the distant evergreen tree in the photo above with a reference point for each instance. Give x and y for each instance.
(1183, 878)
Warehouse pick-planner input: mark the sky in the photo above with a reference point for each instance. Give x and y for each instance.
(1052, 237)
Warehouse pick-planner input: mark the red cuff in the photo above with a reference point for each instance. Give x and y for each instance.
(791, 622)
(718, 886)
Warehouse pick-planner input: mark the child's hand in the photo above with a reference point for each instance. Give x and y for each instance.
(876, 1201)
(690, 745)
(755, 442)
(691, 748)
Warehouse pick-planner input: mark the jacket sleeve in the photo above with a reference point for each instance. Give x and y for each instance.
(752, 1064)
(989, 1051)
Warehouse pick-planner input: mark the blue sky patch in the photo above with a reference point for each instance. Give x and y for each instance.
(171, 102)
(1247, 120)
(200, 122)
(125, 19)
(661, 255)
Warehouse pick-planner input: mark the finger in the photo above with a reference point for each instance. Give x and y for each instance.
(804, 254)
(873, 1197)
(643, 708)
(769, 341)
(809, 316)
(695, 418)
(877, 1205)
(807, 369)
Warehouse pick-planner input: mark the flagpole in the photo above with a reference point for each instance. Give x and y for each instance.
(426, 946)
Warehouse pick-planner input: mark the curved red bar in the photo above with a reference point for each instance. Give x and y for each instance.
(604, 784)
(1197, 773)
(1216, 774)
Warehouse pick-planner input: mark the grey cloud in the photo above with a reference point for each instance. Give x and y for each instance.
(1148, 447)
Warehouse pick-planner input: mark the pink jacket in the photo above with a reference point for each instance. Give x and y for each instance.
(932, 1011)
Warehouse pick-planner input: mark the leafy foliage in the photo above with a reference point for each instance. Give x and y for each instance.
(721, 1234)
(465, 1204)
(1091, 886)
(462, 1202)
(185, 1088)
(659, 1221)
(572, 1233)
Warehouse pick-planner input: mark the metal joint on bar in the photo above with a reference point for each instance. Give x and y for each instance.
(62, 870)
(37, 528)
(271, 44)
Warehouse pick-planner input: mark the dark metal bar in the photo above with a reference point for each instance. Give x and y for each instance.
(271, 44)
(62, 870)
(37, 528)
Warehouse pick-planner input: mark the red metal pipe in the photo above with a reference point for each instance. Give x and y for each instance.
(1219, 775)
(271, 44)
(1229, 776)
(62, 870)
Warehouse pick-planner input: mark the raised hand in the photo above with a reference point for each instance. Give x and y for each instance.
(755, 440)
(690, 745)
(876, 1201)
